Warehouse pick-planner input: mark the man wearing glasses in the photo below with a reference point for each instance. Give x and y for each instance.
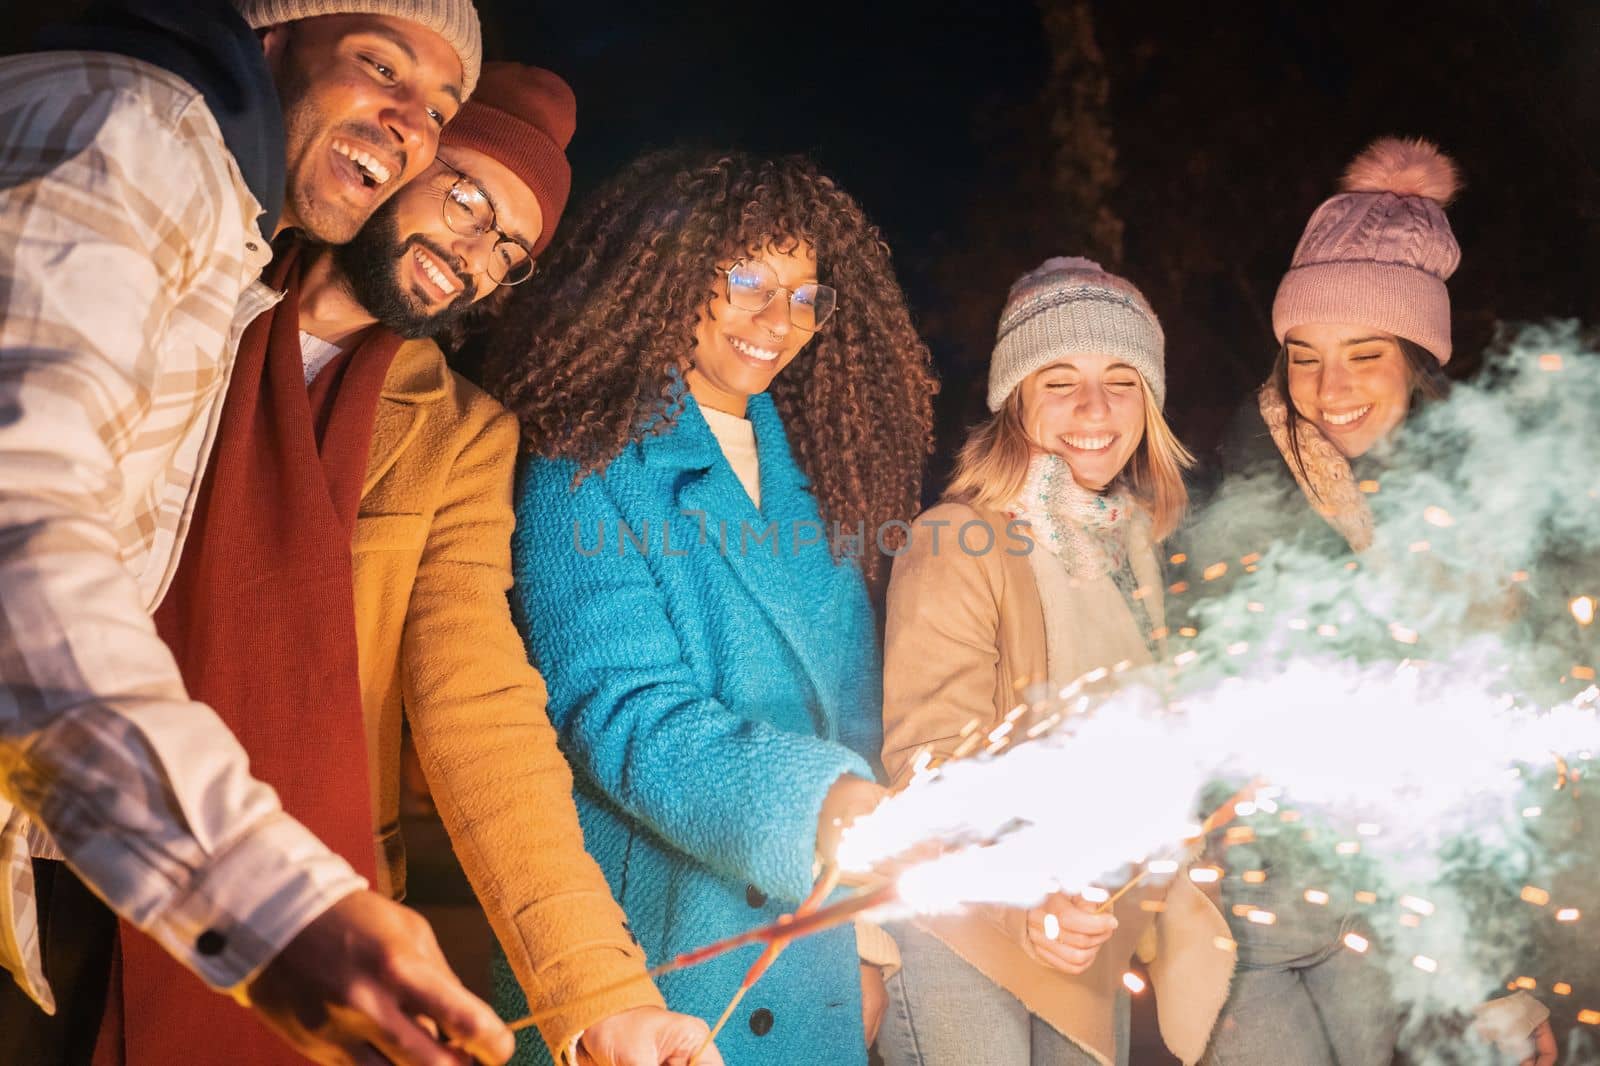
(419, 467)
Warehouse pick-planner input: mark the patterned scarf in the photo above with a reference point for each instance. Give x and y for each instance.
(1086, 530)
(1327, 482)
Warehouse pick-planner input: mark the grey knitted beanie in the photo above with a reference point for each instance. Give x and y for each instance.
(1072, 306)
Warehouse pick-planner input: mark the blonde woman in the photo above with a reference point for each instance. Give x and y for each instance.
(1041, 564)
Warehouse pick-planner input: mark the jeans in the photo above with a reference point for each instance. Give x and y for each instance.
(944, 1012)
(1299, 995)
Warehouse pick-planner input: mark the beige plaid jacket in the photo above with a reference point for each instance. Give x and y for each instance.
(128, 256)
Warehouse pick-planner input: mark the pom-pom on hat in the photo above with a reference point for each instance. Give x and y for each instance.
(524, 118)
(1379, 252)
(1072, 306)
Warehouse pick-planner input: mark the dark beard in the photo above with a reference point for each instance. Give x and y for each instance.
(370, 264)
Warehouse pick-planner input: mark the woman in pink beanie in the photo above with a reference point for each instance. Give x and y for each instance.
(1362, 320)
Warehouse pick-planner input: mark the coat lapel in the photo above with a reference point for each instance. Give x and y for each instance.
(415, 379)
(798, 591)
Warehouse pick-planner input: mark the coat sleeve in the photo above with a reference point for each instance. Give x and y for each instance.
(941, 644)
(504, 791)
(739, 796)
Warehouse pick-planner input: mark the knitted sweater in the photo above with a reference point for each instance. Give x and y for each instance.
(709, 687)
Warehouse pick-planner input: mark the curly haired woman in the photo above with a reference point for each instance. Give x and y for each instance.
(725, 401)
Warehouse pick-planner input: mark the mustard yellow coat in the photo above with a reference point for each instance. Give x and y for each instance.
(437, 644)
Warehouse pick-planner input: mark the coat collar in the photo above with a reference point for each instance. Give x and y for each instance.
(418, 377)
(796, 588)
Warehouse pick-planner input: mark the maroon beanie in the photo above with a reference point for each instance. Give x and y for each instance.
(523, 118)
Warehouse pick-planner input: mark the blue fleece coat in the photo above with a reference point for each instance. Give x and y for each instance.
(712, 671)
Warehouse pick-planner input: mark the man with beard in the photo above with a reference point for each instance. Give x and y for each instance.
(421, 476)
(144, 160)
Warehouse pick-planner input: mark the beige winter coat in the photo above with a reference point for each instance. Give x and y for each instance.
(965, 636)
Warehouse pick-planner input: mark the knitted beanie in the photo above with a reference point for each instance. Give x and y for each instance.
(1378, 253)
(1071, 306)
(454, 20)
(523, 117)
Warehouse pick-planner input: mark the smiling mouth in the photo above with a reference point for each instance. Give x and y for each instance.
(372, 171)
(1346, 418)
(1089, 443)
(743, 347)
(445, 284)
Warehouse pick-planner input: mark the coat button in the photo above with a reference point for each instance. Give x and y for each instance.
(761, 1022)
(210, 943)
(755, 897)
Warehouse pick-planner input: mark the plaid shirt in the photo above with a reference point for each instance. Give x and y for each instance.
(128, 257)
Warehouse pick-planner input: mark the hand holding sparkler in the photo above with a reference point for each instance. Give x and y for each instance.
(1067, 932)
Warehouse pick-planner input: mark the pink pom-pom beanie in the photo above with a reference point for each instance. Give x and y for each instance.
(1378, 253)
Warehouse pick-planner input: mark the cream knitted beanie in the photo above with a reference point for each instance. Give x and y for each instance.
(1071, 306)
(1378, 253)
(454, 20)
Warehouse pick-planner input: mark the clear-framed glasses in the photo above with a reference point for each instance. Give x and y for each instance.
(468, 211)
(752, 285)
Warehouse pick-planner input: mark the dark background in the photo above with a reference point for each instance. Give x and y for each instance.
(1183, 145)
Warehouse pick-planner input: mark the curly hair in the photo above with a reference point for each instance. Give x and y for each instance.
(588, 353)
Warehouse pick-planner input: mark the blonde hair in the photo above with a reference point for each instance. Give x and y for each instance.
(992, 465)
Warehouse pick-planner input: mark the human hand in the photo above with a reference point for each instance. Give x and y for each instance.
(874, 1000)
(849, 798)
(1066, 932)
(365, 982)
(1544, 1042)
(646, 1036)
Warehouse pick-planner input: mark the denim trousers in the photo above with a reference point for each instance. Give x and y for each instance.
(1300, 996)
(944, 1012)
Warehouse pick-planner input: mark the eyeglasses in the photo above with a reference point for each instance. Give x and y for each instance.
(467, 211)
(752, 284)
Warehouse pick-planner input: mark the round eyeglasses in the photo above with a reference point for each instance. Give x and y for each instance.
(469, 212)
(752, 284)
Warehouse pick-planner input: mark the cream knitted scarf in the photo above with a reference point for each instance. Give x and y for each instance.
(1086, 530)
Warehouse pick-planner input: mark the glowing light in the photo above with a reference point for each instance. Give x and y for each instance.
(1052, 927)
(1368, 486)
(1589, 1017)
(1184, 658)
(1153, 906)
(1179, 559)
(1133, 982)
(1583, 673)
(1357, 943)
(1425, 964)
(1223, 943)
(1532, 812)
(1188, 631)
(1526, 983)
(1550, 362)
(1261, 917)
(1417, 547)
(1369, 829)
(1317, 896)
(1561, 988)
(1244, 808)
(1095, 894)
(1205, 875)
(1519, 575)
(1415, 903)
(1366, 897)
(1411, 921)
(1214, 571)
(1178, 588)
(1348, 847)
(1239, 834)
(1238, 647)
(1327, 629)
(1583, 610)
(1568, 914)
(1250, 560)
(1162, 867)
(1536, 896)
(1299, 624)
(1255, 608)
(1437, 516)
(1402, 633)
(1255, 877)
